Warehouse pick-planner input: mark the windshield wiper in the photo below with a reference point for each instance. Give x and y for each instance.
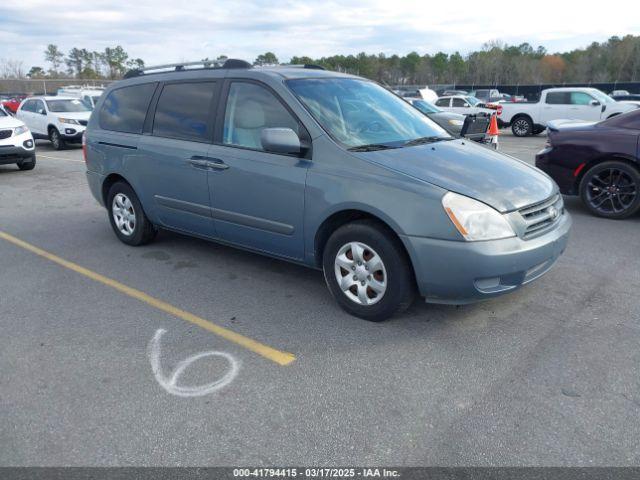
(370, 147)
(423, 140)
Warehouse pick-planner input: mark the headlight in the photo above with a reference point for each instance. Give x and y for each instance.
(476, 220)
(69, 120)
(457, 123)
(20, 130)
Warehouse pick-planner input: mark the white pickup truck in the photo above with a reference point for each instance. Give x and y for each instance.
(589, 104)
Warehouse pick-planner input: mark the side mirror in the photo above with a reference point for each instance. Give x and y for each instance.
(466, 105)
(41, 111)
(280, 140)
(594, 103)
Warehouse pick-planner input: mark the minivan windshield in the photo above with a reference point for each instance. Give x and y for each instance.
(67, 106)
(359, 113)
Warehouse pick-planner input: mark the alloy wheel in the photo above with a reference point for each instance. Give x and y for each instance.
(521, 127)
(611, 191)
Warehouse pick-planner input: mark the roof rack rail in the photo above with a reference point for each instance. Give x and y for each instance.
(179, 67)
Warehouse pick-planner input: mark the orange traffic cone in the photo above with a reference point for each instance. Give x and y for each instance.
(493, 131)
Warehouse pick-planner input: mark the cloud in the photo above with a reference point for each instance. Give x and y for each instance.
(164, 31)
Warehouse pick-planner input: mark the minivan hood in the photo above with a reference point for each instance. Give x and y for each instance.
(501, 181)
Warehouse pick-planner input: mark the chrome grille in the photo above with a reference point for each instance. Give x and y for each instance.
(5, 134)
(542, 216)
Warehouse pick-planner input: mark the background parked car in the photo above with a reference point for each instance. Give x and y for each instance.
(61, 120)
(628, 97)
(486, 95)
(452, 122)
(448, 93)
(12, 104)
(598, 161)
(588, 104)
(16, 143)
(465, 105)
(88, 95)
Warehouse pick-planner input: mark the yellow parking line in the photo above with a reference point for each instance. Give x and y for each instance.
(277, 356)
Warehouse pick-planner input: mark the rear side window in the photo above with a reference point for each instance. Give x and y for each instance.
(184, 111)
(125, 109)
(443, 102)
(557, 98)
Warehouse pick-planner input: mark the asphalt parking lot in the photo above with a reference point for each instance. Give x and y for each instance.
(544, 376)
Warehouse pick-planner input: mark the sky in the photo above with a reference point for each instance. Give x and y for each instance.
(168, 31)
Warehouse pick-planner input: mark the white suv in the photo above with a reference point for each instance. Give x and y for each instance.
(16, 143)
(59, 119)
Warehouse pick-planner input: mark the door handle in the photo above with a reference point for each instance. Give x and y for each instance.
(201, 161)
(217, 164)
(198, 162)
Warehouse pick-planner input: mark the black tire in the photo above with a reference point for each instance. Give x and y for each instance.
(143, 231)
(28, 163)
(400, 283)
(611, 189)
(56, 139)
(522, 126)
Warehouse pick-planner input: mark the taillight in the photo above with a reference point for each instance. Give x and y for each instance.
(499, 109)
(84, 146)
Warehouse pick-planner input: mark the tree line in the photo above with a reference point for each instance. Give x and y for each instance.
(614, 60)
(81, 63)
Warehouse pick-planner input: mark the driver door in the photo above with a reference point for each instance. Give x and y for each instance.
(257, 197)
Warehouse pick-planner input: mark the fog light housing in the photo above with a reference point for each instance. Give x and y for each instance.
(27, 144)
(69, 131)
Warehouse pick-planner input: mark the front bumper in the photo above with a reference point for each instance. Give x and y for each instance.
(72, 133)
(458, 272)
(15, 149)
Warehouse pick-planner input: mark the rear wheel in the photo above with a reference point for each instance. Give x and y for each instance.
(522, 127)
(27, 163)
(611, 190)
(367, 271)
(56, 139)
(128, 220)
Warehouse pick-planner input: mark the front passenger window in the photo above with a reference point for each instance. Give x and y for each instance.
(250, 109)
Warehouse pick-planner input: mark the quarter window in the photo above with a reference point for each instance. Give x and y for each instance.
(184, 111)
(125, 109)
(250, 109)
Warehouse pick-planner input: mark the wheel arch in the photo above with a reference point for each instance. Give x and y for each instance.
(343, 217)
(108, 183)
(605, 158)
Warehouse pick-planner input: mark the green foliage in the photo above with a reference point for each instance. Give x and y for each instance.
(617, 59)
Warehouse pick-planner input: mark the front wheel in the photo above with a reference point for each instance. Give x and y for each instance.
(28, 163)
(128, 220)
(522, 127)
(56, 139)
(611, 190)
(367, 271)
